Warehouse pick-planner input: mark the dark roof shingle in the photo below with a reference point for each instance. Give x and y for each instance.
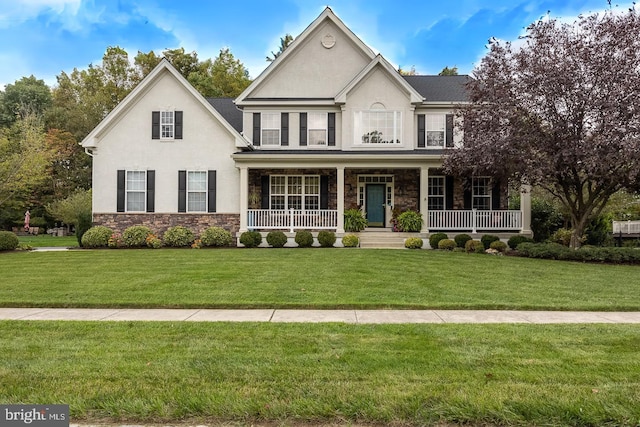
(228, 111)
(440, 88)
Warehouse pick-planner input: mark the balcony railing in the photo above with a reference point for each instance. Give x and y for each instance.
(292, 219)
(626, 227)
(474, 220)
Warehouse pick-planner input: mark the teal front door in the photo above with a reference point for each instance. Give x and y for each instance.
(375, 204)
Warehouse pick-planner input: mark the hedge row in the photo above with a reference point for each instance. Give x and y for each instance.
(584, 254)
(139, 236)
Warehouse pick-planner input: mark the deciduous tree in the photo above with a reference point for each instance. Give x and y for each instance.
(561, 111)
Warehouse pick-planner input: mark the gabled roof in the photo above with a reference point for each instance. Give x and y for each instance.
(91, 140)
(379, 61)
(327, 14)
(440, 88)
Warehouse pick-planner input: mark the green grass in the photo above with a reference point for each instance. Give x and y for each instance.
(44, 240)
(311, 278)
(584, 375)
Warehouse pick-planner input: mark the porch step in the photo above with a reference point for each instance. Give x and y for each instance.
(384, 239)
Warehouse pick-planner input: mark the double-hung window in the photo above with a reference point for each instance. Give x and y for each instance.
(317, 125)
(294, 192)
(270, 128)
(136, 186)
(378, 127)
(436, 200)
(166, 125)
(196, 191)
(481, 193)
(435, 130)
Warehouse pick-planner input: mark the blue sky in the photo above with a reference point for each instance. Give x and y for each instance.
(45, 37)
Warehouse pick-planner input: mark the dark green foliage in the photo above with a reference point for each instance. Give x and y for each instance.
(8, 241)
(598, 232)
(410, 221)
(474, 246)
(354, 220)
(136, 236)
(461, 240)
(446, 244)
(413, 243)
(216, 236)
(251, 239)
(350, 240)
(435, 238)
(545, 219)
(276, 239)
(178, 237)
(584, 254)
(84, 224)
(514, 241)
(96, 237)
(304, 239)
(326, 238)
(487, 239)
(498, 246)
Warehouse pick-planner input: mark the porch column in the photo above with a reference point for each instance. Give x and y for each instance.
(340, 201)
(525, 208)
(244, 198)
(424, 198)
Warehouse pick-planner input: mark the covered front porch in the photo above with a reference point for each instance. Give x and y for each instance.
(293, 192)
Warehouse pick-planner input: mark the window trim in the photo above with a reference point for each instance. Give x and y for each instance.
(488, 196)
(205, 191)
(442, 196)
(428, 129)
(277, 128)
(360, 130)
(325, 117)
(128, 191)
(167, 127)
(305, 196)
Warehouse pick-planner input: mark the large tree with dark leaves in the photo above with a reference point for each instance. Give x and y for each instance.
(561, 110)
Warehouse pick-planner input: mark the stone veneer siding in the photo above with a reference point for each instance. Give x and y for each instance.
(160, 222)
(255, 183)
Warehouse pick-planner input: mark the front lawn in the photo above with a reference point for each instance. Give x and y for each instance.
(310, 278)
(283, 374)
(45, 240)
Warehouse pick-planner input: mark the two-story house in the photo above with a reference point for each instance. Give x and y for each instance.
(329, 125)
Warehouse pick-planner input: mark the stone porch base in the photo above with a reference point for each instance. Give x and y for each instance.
(160, 222)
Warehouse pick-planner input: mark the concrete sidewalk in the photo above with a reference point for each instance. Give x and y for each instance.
(317, 316)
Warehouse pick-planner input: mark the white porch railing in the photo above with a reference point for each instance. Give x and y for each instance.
(292, 219)
(626, 227)
(474, 220)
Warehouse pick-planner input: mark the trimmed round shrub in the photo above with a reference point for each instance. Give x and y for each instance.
(350, 241)
(178, 237)
(514, 241)
(304, 239)
(487, 239)
(435, 238)
(8, 241)
(136, 236)
(276, 239)
(410, 221)
(498, 246)
(96, 237)
(475, 246)
(326, 238)
(413, 243)
(251, 239)
(461, 240)
(217, 236)
(446, 244)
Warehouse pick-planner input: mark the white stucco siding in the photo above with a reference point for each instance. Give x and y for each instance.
(314, 71)
(127, 144)
(377, 91)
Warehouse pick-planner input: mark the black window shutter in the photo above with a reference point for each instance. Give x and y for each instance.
(495, 196)
(121, 191)
(256, 129)
(467, 194)
(421, 131)
(284, 129)
(264, 191)
(331, 125)
(448, 192)
(178, 124)
(211, 189)
(324, 192)
(151, 191)
(182, 191)
(303, 129)
(155, 125)
(449, 130)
